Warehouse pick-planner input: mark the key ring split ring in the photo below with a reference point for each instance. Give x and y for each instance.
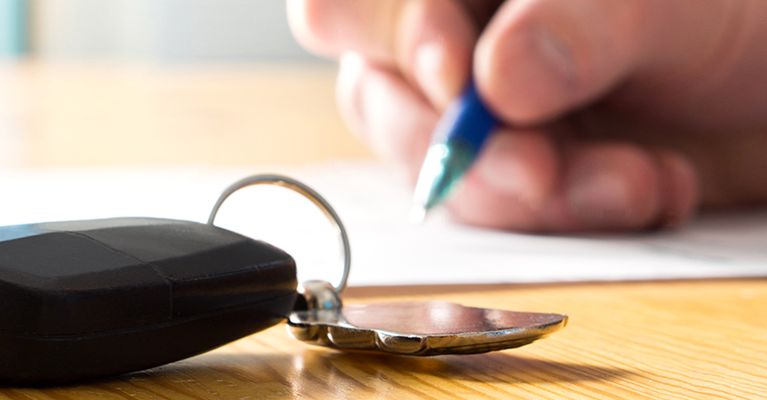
(306, 191)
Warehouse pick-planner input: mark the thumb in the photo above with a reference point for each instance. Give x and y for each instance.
(540, 59)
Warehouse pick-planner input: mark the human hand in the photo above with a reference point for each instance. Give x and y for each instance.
(618, 114)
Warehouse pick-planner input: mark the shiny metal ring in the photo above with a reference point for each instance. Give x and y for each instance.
(309, 193)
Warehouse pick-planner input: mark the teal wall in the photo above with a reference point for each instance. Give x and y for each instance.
(13, 27)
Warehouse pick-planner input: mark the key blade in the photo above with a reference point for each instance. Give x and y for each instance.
(422, 328)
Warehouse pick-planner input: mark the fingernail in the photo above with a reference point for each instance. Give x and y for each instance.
(428, 62)
(598, 200)
(553, 52)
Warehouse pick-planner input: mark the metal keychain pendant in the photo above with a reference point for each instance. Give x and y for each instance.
(407, 328)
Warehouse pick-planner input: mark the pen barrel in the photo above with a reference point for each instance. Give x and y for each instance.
(458, 139)
(466, 120)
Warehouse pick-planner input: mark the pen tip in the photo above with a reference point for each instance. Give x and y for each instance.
(418, 214)
(444, 164)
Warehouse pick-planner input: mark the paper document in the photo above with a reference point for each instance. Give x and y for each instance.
(387, 249)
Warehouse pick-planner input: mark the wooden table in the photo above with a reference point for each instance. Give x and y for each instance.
(668, 340)
(646, 340)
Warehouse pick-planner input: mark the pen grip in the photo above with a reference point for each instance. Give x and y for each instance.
(468, 119)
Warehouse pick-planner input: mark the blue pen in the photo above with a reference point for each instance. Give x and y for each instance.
(456, 142)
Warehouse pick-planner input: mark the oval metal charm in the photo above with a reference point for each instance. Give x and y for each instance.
(421, 328)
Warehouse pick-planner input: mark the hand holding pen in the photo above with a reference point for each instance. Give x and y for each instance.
(612, 115)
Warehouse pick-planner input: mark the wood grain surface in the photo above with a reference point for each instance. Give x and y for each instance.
(648, 340)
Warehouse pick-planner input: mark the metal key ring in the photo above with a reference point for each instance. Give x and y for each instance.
(309, 193)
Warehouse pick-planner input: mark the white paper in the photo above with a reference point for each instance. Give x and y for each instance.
(387, 249)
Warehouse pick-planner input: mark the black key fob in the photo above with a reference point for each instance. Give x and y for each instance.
(87, 299)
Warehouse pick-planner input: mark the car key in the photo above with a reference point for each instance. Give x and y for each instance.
(94, 298)
(87, 299)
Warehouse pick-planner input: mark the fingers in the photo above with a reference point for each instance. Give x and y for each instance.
(430, 42)
(612, 186)
(540, 59)
(330, 27)
(385, 111)
(624, 186)
(512, 182)
(523, 180)
(679, 188)
(599, 187)
(544, 58)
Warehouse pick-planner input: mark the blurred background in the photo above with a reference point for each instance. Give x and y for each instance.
(157, 82)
